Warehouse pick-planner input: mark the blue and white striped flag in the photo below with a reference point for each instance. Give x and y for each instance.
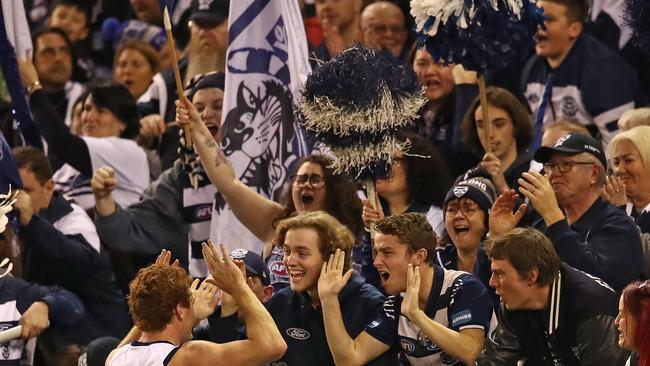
(15, 41)
(267, 65)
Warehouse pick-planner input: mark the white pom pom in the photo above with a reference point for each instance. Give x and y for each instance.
(442, 10)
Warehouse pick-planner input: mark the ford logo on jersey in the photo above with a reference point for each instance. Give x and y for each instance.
(298, 333)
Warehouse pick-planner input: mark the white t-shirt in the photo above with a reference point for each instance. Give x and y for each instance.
(127, 159)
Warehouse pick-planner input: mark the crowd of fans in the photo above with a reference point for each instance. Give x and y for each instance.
(524, 239)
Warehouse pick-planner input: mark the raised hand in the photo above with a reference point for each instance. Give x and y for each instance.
(204, 298)
(24, 207)
(27, 71)
(165, 257)
(333, 39)
(103, 182)
(539, 192)
(34, 320)
(410, 303)
(225, 273)
(493, 166)
(371, 214)
(614, 191)
(332, 280)
(502, 219)
(152, 125)
(186, 113)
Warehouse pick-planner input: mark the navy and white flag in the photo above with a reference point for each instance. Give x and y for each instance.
(9, 175)
(267, 64)
(15, 41)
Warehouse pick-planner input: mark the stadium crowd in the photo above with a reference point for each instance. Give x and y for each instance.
(521, 240)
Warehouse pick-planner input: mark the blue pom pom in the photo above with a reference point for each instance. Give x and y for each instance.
(481, 37)
(111, 30)
(355, 103)
(355, 78)
(637, 17)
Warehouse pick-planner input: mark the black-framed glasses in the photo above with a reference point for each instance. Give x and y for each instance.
(315, 180)
(564, 166)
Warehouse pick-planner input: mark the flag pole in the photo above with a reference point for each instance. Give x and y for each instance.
(177, 72)
(482, 90)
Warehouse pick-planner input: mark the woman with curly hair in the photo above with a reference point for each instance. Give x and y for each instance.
(511, 132)
(633, 322)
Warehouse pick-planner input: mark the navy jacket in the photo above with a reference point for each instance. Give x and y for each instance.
(302, 325)
(52, 258)
(603, 242)
(16, 296)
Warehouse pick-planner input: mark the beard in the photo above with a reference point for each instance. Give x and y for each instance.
(203, 58)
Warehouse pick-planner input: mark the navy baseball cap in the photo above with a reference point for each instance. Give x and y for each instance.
(572, 143)
(254, 263)
(209, 12)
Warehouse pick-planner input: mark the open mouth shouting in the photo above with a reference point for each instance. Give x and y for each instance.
(307, 198)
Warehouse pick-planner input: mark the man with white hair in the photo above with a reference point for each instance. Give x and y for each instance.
(588, 233)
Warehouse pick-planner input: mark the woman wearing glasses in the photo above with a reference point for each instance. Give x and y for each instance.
(630, 157)
(466, 207)
(633, 322)
(510, 134)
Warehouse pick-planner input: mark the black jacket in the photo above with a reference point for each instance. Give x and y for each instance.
(302, 325)
(585, 333)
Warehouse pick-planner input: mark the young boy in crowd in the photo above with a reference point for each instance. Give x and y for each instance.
(434, 316)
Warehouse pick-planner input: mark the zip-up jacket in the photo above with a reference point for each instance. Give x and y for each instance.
(576, 328)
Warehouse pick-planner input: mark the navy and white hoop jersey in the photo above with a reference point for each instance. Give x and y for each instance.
(458, 300)
(593, 86)
(127, 159)
(144, 354)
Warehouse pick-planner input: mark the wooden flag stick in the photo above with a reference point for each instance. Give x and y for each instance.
(482, 91)
(372, 197)
(177, 72)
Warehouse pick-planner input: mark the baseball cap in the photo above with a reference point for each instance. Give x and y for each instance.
(572, 143)
(209, 12)
(254, 263)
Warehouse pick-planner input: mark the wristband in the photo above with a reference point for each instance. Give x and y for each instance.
(31, 88)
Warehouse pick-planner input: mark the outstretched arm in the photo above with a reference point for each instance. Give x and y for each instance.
(264, 343)
(252, 209)
(345, 350)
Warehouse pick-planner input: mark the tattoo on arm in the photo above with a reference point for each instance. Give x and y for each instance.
(209, 142)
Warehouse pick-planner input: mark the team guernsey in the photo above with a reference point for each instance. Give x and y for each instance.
(458, 300)
(144, 354)
(593, 86)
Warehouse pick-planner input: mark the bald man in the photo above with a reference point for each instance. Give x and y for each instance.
(382, 26)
